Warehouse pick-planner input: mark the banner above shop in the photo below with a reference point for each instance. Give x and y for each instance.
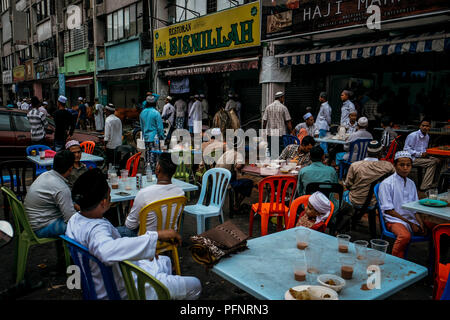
(287, 18)
(19, 73)
(225, 30)
(7, 77)
(29, 70)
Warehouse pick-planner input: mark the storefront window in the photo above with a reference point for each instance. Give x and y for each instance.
(120, 24)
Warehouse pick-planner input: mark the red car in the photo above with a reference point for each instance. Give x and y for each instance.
(15, 135)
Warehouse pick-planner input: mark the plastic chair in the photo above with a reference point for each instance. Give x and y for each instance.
(26, 236)
(301, 134)
(362, 145)
(276, 207)
(17, 178)
(441, 271)
(328, 188)
(392, 150)
(172, 220)
(384, 230)
(446, 294)
(90, 164)
(121, 155)
(88, 147)
(183, 173)
(290, 139)
(217, 189)
(37, 148)
(303, 200)
(143, 277)
(133, 164)
(82, 258)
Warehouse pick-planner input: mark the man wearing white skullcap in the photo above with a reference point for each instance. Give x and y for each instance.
(361, 133)
(395, 191)
(308, 125)
(317, 211)
(64, 124)
(78, 167)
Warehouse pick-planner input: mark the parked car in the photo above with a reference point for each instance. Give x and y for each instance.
(15, 135)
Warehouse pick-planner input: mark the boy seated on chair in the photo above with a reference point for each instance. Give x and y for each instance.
(88, 227)
(395, 191)
(163, 189)
(316, 212)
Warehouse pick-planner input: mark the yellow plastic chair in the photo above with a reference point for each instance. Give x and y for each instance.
(170, 223)
(26, 236)
(143, 277)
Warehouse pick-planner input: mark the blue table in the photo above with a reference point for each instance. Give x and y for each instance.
(265, 270)
(440, 212)
(48, 162)
(115, 197)
(329, 140)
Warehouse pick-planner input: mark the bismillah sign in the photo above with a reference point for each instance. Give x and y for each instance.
(226, 30)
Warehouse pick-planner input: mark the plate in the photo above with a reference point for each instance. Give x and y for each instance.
(294, 172)
(123, 194)
(316, 290)
(433, 203)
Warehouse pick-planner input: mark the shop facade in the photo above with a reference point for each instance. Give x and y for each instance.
(404, 65)
(214, 55)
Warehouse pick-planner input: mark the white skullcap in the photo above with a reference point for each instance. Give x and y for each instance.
(62, 99)
(279, 94)
(363, 122)
(80, 98)
(110, 107)
(45, 102)
(215, 131)
(72, 143)
(322, 204)
(169, 98)
(402, 154)
(307, 116)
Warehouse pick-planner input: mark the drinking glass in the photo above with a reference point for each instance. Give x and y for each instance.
(361, 249)
(302, 236)
(343, 240)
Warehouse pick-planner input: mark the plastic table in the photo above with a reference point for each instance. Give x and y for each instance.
(440, 212)
(48, 162)
(438, 151)
(266, 271)
(329, 140)
(131, 194)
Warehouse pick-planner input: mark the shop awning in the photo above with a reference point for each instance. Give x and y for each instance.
(80, 81)
(212, 67)
(427, 42)
(128, 74)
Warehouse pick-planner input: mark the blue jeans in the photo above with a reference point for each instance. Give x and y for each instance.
(53, 230)
(323, 145)
(125, 232)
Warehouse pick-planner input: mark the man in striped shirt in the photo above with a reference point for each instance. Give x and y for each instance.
(38, 122)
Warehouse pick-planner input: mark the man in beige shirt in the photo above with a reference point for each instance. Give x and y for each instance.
(362, 174)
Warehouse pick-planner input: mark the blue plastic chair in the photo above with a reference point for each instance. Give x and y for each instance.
(90, 164)
(290, 139)
(446, 294)
(78, 251)
(386, 233)
(220, 180)
(360, 155)
(37, 148)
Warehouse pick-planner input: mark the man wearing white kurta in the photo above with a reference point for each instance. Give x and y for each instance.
(88, 227)
(323, 120)
(113, 133)
(98, 116)
(196, 115)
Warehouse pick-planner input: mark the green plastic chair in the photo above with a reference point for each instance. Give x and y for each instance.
(183, 173)
(143, 277)
(26, 236)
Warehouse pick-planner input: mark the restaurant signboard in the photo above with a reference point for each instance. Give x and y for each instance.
(45, 70)
(19, 73)
(225, 30)
(285, 18)
(7, 77)
(29, 70)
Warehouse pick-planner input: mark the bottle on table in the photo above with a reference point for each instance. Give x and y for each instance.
(148, 172)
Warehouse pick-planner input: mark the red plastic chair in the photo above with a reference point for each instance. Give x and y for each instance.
(392, 150)
(303, 200)
(441, 271)
(133, 164)
(301, 134)
(88, 146)
(276, 207)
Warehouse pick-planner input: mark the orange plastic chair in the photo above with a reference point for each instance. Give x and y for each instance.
(441, 271)
(301, 134)
(88, 147)
(133, 164)
(303, 200)
(276, 207)
(172, 220)
(392, 150)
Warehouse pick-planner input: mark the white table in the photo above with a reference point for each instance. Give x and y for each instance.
(131, 194)
(48, 162)
(439, 212)
(329, 140)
